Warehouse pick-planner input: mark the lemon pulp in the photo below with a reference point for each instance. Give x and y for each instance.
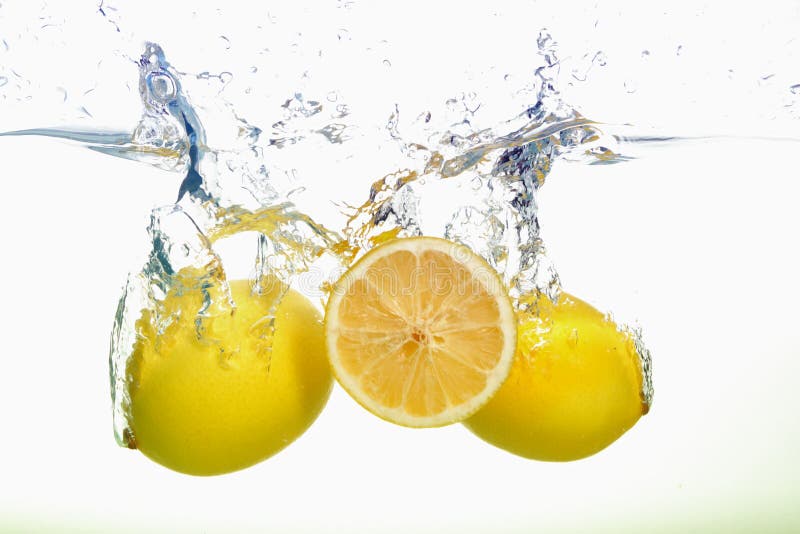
(575, 386)
(420, 331)
(220, 402)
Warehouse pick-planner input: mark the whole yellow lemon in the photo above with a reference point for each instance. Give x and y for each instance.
(222, 393)
(575, 385)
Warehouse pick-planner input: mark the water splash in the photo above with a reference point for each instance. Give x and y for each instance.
(182, 257)
(456, 178)
(484, 182)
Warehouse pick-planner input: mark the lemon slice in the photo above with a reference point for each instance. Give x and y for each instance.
(420, 331)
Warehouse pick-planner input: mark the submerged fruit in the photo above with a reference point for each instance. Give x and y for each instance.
(223, 401)
(575, 386)
(420, 331)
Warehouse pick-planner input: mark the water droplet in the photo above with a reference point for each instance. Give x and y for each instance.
(544, 39)
(342, 110)
(253, 69)
(766, 79)
(298, 106)
(332, 96)
(630, 86)
(3, 81)
(795, 89)
(387, 63)
(507, 77)
(297, 190)
(573, 338)
(600, 59)
(225, 42)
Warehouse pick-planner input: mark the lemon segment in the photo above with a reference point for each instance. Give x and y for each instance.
(574, 388)
(420, 331)
(227, 400)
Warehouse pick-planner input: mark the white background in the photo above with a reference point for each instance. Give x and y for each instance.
(696, 241)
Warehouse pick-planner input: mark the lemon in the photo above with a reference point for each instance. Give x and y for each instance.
(223, 401)
(574, 388)
(420, 331)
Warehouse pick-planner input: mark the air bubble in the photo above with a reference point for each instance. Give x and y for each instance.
(161, 86)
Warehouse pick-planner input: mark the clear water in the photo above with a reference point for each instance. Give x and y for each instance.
(463, 167)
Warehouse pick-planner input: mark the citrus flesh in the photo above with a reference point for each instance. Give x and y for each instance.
(574, 388)
(420, 331)
(220, 402)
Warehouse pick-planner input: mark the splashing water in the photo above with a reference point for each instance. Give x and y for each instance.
(457, 179)
(182, 236)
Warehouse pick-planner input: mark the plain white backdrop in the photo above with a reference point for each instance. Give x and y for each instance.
(695, 241)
